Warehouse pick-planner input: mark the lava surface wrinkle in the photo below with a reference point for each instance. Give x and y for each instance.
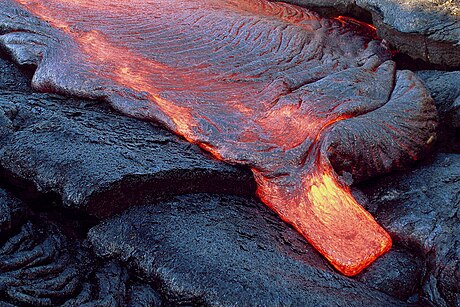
(298, 98)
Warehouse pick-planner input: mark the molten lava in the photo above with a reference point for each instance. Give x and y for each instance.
(253, 82)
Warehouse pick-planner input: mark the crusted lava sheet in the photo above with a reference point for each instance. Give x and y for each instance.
(303, 101)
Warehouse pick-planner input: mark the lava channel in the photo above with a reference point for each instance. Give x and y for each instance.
(264, 84)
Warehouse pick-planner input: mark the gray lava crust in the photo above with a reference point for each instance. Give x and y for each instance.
(424, 29)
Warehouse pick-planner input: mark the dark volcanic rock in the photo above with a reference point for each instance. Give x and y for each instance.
(11, 212)
(445, 90)
(38, 265)
(396, 273)
(41, 265)
(424, 29)
(198, 249)
(97, 160)
(225, 250)
(143, 295)
(11, 78)
(421, 210)
(110, 285)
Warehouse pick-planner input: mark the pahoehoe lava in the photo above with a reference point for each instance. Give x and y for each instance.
(303, 101)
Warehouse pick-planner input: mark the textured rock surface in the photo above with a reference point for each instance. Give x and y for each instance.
(12, 78)
(398, 274)
(216, 250)
(11, 211)
(99, 161)
(110, 284)
(37, 266)
(445, 90)
(424, 29)
(40, 265)
(421, 210)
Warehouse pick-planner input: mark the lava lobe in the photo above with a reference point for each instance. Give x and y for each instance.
(303, 101)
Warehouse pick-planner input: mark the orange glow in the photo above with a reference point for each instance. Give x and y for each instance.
(219, 85)
(359, 25)
(329, 217)
(345, 19)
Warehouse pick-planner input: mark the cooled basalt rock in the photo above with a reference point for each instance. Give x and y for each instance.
(41, 265)
(444, 87)
(398, 274)
(11, 78)
(38, 266)
(11, 212)
(35, 270)
(214, 226)
(445, 90)
(225, 250)
(424, 29)
(253, 82)
(421, 211)
(110, 285)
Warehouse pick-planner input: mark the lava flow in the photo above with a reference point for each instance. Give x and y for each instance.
(257, 83)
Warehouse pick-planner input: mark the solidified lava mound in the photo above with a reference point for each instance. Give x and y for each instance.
(297, 98)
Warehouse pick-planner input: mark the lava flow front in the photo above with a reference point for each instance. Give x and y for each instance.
(253, 82)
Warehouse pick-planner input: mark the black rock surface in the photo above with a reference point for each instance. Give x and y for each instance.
(11, 212)
(227, 250)
(96, 160)
(445, 90)
(110, 284)
(11, 77)
(37, 265)
(397, 273)
(421, 211)
(424, 29)
(42, 265)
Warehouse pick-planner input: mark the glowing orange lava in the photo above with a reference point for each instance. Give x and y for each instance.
(249, 81)
(359, 25)
(337, 226)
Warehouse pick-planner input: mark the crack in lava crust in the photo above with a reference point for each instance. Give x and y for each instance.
(253, 82)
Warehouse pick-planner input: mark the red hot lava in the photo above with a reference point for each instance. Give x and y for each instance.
(253, 82)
